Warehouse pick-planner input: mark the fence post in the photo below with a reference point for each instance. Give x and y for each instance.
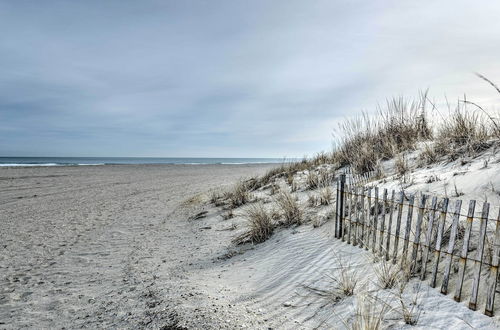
(356, 224)
(337, 214)
(375, 221)
(428, 236)
(341, 206)
(439, 239)
(479, 256)
(388, 241)
(492, 280)
(418, 230)
(363, 218)
(407, 229)
(349, 212)
(398, 227)
(368, 219)
(382, 221)
(451, 245)
(465, 251)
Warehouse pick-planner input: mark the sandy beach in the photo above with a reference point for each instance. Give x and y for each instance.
(102, 246)
(142, 246)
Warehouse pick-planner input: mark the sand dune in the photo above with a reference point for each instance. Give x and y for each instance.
(122, 247)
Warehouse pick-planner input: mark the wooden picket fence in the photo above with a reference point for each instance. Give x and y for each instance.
(438, 242)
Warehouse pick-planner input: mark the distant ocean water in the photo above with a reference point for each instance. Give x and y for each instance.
(75, 161)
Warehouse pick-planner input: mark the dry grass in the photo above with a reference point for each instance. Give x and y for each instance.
(325, 196)
(341, 283)
(319, 179)
(289, 208)
(462, 131)
(428, 155)
(194, 200)
(289, 169)
(312, 200)
(388, 274)
(402, 167)
(409, 310)
(259, 225)
(312, 180)
(239, 195)
(216, 197)
(363, 142)
(347, 282)
(274, 188)
(369, 315)
(347, 279)
(366, 140)
(319, 221)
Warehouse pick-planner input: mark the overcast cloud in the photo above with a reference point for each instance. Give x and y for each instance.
(226, 78)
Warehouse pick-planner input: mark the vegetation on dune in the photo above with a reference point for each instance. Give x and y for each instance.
(289, 208)
(366, 140)
(400, 132)
(260, 225)
(239, 195)
(399, 128)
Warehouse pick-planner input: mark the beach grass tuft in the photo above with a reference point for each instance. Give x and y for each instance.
(260, 225)
(290, 209)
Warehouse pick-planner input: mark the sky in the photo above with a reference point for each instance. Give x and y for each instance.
(226, 78)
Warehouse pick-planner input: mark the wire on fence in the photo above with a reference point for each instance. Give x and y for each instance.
(362, 222)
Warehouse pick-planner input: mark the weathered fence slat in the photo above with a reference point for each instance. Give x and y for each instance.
(382, 222)
(363, 219)
(492, 279)
(465, 250)
(389, 227)
(409, 217)
(428, 237)
(418, 230)
(479, 256)
(342, 211)
(352, 227)
(368, 218)
(355, 199)
(375, 220)
(348, 207)
(439, 239)
(337, 208)
(398, 226)
(451, 246)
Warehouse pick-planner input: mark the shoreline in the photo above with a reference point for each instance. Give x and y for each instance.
(118, 164)
(99, 161)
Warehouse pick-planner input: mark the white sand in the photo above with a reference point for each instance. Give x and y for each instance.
(113, 247)
(100, 246)
(264, 286)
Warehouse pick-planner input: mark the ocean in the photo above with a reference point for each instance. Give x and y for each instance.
(75, 161)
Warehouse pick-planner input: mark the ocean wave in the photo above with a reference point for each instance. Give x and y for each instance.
(45, 164)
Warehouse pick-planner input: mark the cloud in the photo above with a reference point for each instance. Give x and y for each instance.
(225, 78)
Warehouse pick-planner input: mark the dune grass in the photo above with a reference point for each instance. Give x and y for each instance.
(289, 208)
(260, 225)
(239, 194)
